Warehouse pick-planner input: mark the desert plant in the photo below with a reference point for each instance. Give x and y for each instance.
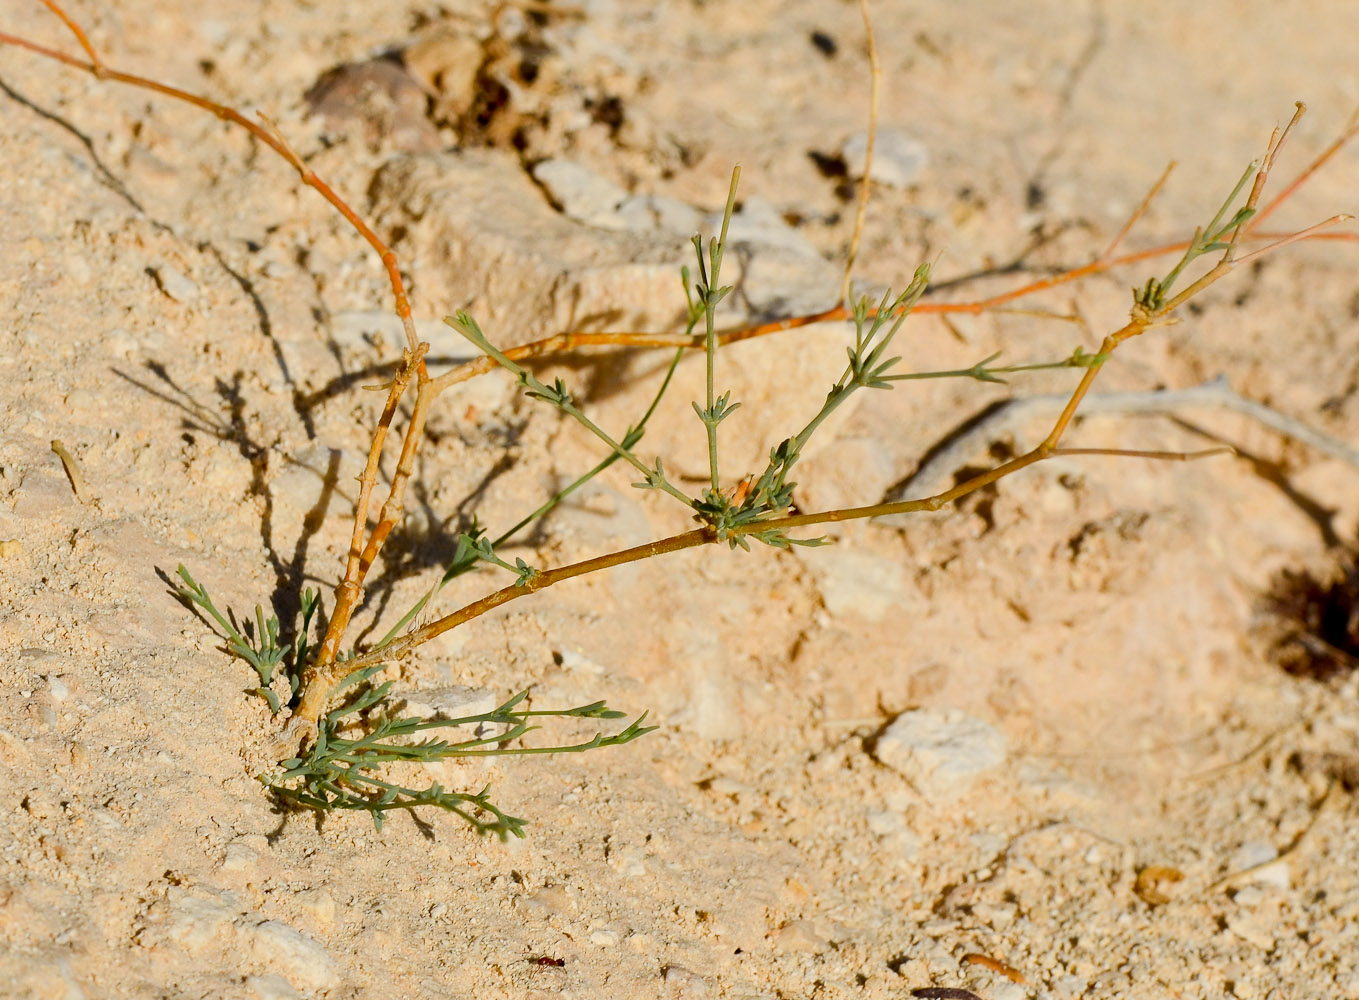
(342, 736)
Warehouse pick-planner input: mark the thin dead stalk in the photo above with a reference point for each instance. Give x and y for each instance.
(865, 185)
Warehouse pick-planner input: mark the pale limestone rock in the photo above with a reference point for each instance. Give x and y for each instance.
(941, 751)
(484, 237)
(856, 584)
(198, 921)
(582, 194)
(457, 701)
(898, 158)
(238, 858)
(798, 936)
(272, 987)
(319, 904)
(656, 213)
(176, 284)
(682, 983)
(604, 937)
(299, 958)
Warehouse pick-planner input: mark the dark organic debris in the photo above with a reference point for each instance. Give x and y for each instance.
(1317, 615)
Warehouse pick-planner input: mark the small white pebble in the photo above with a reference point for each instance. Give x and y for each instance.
(118, 341)
(238, 858)
(683, 983)
(1252, 853)
(1250, 930)
(942, 751)
(79, 399)
(1067, 987)
(319, 904)
(59, 689)
(898, 159)
(572, 660)
(1255, 853)
(272, 987)
(302, 959)
(604, 937)
(176, 284)
(798, 936)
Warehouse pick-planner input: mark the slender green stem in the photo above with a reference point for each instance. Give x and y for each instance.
(711, 292)
(558, 396)
(983, 371)
(1207, 239)
(459, 566)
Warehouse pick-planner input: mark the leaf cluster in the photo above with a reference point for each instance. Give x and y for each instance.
(364, 737)
(1218, 236)
(341, 768)
(263, 650)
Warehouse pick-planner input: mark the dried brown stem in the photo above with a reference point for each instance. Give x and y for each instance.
(80, 36)
(320, 676)
(1137, 213)
(264, 132)
(702, 536)
(540, 580)
(1351, 130)
(563, 342)
(1310, 233)
(1106, 261)
(317, 679)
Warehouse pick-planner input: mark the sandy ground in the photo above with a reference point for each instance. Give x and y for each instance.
(195, 327)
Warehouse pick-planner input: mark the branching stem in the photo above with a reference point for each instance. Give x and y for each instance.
(1147, 313)
(710, 293)
(1226, 234)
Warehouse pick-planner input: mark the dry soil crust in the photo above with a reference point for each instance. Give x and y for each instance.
(194, 326)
